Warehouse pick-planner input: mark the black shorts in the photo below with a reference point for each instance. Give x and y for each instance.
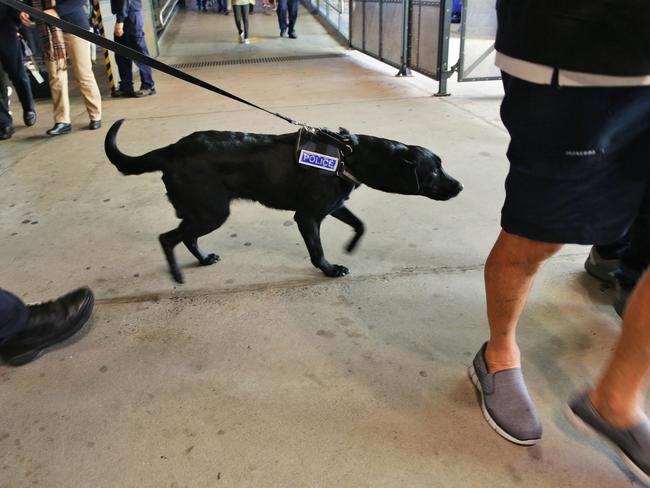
(579, 161)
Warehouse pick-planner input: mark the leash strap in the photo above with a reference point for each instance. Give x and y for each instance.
(133, 55)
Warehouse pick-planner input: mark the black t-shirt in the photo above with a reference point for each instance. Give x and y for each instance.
(609, 37)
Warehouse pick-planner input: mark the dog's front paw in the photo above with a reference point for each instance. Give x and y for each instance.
(336, 271)
(210, 259)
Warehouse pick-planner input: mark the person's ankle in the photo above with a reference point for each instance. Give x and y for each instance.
(499, 358)
(616, 411)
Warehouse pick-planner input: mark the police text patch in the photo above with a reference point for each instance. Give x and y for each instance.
(317, 160)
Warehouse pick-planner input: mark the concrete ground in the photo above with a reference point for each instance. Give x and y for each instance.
(261, 372)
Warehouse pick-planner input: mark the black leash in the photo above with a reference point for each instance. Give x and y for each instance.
(343, 142)
(132, 54)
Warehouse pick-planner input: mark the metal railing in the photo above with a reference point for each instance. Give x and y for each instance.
(170, 5)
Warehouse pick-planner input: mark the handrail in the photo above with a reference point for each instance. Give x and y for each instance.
(340, 8)
(161, 17)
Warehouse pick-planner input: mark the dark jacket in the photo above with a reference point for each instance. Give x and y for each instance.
(122, 8)
(609, 37)
(74, 11)
(8, 15)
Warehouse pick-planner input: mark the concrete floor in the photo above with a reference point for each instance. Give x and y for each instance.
(261, 372)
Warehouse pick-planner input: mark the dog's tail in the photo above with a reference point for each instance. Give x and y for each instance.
(130, 165)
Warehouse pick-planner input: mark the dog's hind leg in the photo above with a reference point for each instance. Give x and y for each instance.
(168, 241)
(310, 230)
(344, 215)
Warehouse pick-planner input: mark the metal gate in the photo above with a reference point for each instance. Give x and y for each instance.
(477, 36)
(415, 34)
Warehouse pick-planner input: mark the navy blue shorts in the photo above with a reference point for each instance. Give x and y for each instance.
(579, 161)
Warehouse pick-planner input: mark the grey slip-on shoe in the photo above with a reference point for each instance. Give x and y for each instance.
(632, 445)
(505, 402)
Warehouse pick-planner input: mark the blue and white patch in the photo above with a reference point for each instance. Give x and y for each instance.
(317, 160)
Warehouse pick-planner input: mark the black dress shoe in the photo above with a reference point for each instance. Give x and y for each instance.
(6, 133)
(29, 118)
(145, 92)
(122, 94)
(95, 124)
(293, 35)
(48, 324)
(59, 129)
(282, 33)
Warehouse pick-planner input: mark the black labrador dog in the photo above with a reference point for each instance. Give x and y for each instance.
(204, 171)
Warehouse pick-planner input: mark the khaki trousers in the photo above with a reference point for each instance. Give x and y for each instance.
(79, 52)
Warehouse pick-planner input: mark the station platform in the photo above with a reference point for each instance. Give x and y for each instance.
(260, 371)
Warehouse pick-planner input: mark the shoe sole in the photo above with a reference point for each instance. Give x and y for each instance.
(602, 273)
(477, 384)
(32, 355)
(582, 426)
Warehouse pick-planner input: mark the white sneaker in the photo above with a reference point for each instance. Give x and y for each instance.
(241, 38)
(246, 41)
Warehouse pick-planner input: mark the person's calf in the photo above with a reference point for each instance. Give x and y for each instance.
(509, 273)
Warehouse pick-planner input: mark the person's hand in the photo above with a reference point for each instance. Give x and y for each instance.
(50, 11)
(119, 29)
(24, 18)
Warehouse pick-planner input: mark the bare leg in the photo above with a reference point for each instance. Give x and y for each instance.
(619, 395)
(509, 273)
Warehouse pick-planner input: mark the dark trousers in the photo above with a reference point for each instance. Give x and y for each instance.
(11, 59)
(241, 14)
(290, 8)
(635, 257)
(134, 38)
(13, 315)
(201, 4)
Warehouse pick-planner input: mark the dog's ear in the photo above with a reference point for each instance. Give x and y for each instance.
(343, 131)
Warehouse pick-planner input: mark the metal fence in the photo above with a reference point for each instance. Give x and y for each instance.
(402, 33)
(376, 29)
(416, 34)
(425, 37)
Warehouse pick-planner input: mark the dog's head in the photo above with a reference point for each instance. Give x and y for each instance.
(431, 179)
(397, 168)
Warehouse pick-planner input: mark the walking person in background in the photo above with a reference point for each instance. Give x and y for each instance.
(241, 9)
(11, 61)
(129, 31)
(57, 45)
(222, 7)
(202, 5)
(287, 9)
